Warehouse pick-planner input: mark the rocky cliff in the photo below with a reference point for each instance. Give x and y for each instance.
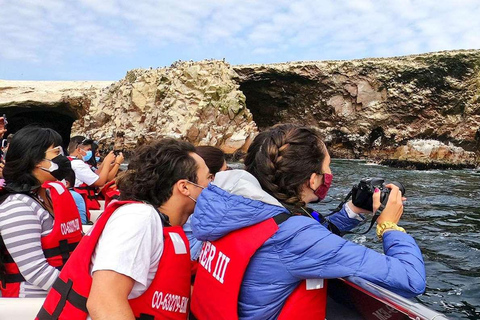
(199, 102)
(422, 109)
(373, 107)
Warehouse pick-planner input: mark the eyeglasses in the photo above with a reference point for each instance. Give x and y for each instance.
(57, 150)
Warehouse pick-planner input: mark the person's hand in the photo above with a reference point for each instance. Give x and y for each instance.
(108, 160)
(2, 127)
(119, 159)
(2, 164)
(394, 207)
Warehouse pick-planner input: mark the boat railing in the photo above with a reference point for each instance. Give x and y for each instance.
(410, 308)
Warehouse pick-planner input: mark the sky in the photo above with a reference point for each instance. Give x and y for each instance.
(103, 39)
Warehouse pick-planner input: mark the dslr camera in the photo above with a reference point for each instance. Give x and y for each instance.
(363, 192)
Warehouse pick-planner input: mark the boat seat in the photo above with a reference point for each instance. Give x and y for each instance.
(20, 308)
(94, 214)
(102, 204)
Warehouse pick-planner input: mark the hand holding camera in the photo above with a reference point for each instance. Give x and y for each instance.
(362, 194)
(394, 206)
(119, 157)
(109, 158)
(384, 199)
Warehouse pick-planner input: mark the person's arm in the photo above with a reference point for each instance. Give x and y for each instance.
(108, 298)
(80, 203)
(2, 127)
(347, 218)
(115, 167)
(103, 173)
(2, 165)
(314, 252)
(21, 229)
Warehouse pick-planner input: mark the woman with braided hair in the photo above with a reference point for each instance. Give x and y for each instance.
(266, 255)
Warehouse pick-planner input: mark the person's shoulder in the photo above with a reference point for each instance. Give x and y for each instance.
(138, 213)
(16, 199)
(296, 225)
(78, 163)
(75, 194)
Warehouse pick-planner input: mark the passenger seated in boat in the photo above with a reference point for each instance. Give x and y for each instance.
(215, 160)
(262, 243)
(86, 180)
(92, 162)
(39, 222)
(79, 201)
(138, 260)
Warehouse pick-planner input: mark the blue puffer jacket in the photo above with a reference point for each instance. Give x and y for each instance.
(301, 248)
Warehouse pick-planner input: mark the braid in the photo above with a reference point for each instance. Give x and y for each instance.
(283, 158)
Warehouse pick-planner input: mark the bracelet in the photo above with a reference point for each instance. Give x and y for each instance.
(116, 163)
(387, 225)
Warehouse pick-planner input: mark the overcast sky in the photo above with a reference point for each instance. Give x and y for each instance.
(102, 39)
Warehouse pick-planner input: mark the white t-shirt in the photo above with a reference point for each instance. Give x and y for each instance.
(83, 173)
(131, 244)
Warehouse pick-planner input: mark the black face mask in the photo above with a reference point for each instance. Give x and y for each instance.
(59, 168)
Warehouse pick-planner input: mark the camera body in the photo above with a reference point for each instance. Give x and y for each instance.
(363, 192)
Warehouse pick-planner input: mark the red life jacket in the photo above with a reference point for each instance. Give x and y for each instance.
(222, 264)
(110, 192)
(57, 245)
(167, 297)
(88, 194)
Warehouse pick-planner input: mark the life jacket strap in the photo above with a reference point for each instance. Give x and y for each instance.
(144, 316)
(282, 217)
(66, 294)
(64, 249)
(12, 278)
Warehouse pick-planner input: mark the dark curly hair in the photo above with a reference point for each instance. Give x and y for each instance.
(283, 158)
(154, 170)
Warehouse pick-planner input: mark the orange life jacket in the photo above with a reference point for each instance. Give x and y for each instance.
(167, 297)
(222, 264)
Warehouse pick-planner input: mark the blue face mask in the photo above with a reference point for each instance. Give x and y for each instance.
(97, 159)
(88, 156)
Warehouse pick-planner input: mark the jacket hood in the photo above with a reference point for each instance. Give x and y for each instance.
(234, 200)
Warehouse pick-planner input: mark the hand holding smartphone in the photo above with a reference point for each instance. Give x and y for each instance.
(3, 125)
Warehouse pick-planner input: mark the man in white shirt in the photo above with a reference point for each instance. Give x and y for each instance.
(80, 149)
(132, 254)
(167, 176)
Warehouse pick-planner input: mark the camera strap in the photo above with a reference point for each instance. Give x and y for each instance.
(340, 206)
(374, 218)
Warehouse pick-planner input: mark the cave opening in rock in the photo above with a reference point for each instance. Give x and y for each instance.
(274, 97)
(59, 118)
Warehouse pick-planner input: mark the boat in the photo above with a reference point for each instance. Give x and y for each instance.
(349, 298)
(356, 298)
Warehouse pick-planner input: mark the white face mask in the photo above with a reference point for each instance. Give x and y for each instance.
(53, 166)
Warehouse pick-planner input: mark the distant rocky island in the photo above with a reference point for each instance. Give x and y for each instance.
(419, 111)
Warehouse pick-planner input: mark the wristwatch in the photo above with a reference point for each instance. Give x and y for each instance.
(387, 225)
